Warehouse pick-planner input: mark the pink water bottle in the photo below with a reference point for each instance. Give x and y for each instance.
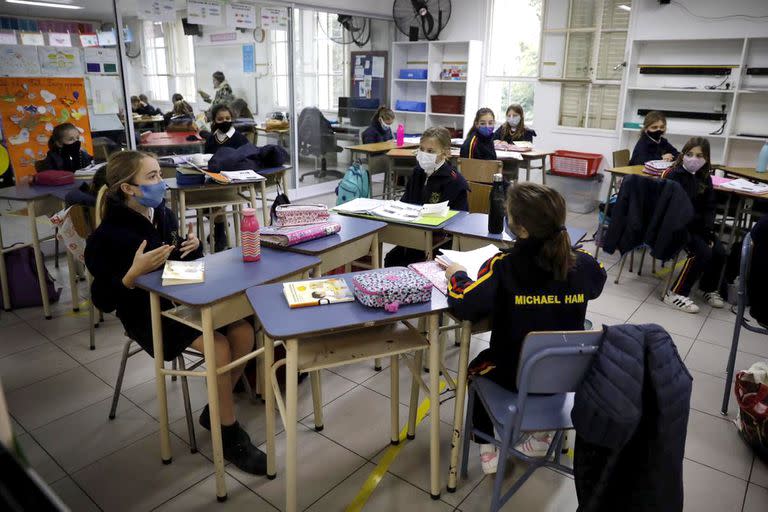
(249, 233)
(400, 135)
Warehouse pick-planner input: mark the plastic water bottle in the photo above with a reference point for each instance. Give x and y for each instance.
(400, 135)
(496, 210)
(762, 159)
(249, 233)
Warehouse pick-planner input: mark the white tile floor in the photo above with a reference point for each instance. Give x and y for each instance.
(59, 396)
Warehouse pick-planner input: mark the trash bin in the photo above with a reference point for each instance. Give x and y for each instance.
(581, 194)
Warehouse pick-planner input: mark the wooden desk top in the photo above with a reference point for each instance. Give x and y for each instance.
(148, 119)
(167, 139)
(269, 130)
(379, 147)
(745, 172)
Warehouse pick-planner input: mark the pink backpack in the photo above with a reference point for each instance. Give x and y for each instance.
(53, 178)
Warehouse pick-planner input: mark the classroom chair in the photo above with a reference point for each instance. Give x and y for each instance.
(621, 158)
(741, 321)
(316, 139)
(479, 174)
(566, 355)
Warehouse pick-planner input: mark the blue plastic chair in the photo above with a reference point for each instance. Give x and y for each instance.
(551, 364)
(741, 306)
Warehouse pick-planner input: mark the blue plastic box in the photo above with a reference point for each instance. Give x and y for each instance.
(411, 106)
(364, 103)
(413, 74)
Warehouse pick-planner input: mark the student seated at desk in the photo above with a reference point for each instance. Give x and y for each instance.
(222, 131)
(706, 255)
(380, 129)
(138, 234)
(182, 118)
(540, 284)
(514, 128)
(652, 145)
(64, 151)
(142, 107)
(174, 98)
(479, 143)
(434, 180)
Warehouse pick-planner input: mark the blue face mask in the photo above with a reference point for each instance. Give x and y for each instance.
(152, 195)
(485, 131)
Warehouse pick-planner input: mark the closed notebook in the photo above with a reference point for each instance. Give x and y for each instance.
(292, 235)
(183, 272)
(434, 272)
(301, 294)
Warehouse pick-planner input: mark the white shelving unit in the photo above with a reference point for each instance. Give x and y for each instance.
(431, 55)
(745, 100)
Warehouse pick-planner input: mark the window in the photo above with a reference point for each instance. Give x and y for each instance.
(512, 55)
(332, 60)
(169, 60)
(279, 63)
(584, 47)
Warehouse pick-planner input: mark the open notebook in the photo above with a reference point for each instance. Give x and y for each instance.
(431, 214)
(471, 260)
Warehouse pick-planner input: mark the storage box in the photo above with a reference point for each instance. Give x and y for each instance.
(581, 194)
(574, 163)
(413, 74)
(443, 104)
(411, 106)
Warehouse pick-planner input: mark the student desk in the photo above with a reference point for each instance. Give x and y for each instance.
(282, 134)
(294, 326)
(154, 122)
(744, 172)
(357, 238)
(409, 234)
(471, 232)
(34, 197)
(207, 306)
(374, 149)
(165, 143)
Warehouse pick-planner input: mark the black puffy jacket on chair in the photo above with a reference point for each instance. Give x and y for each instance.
(631, 417)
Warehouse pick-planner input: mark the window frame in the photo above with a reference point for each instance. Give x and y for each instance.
(277, 76)
(172, 72)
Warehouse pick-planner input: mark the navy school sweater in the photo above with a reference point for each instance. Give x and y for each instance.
(648, 149)
(445, 184)
(477, 146)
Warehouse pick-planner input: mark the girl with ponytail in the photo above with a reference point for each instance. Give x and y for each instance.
(540, 284)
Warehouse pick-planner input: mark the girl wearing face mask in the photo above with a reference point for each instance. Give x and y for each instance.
(223, 133)
(706, 255)
(514, 128)
(434, 180)
(479, 143)
(137, 235)
(651, 145)
(64, 153)
(380, 129)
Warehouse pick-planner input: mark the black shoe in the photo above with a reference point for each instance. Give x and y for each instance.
(219, 236)
(205, 418)
(239, 450)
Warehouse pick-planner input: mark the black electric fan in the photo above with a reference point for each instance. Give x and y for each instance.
(358, 28)
(421, 19)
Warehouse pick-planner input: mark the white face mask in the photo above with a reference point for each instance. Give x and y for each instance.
(513, 120)
(427, 161)
(386, 125)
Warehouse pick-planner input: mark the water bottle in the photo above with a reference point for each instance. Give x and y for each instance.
(249, 233)
(400, 135)
(762, 159)
(496, 210)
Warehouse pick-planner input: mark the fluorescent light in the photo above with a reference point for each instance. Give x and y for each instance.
(43, 4)
(624, 7)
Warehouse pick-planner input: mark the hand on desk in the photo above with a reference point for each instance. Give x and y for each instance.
(667, 157)
(452, 269)
(144, 262)
(191, 244)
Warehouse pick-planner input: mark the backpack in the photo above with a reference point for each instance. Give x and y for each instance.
(280, 200)
(353, 185)
(23, 283)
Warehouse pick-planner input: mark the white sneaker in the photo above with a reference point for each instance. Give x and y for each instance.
(681, 303)
(714, 299)
(489, 458)
(535, 444)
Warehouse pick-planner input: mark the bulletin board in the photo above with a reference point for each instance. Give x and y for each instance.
(31, 107)
(369, 75)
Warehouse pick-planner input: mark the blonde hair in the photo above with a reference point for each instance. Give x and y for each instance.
(121, 168)
(383, 113)
(652, 117)
(441, 135)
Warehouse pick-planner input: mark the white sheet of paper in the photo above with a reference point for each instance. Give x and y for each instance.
(378, 67)
(242, 176)
(360, 205)
(435, 209)
(471, 260)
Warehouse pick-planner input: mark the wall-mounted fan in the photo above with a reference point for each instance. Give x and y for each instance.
(421, 19)
(358, 29)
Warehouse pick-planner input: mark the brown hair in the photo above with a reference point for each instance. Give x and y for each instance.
(58, 132)
(506, 130)
(143, 97)
(121, 168)
(441, 135)
(382, 113)
(181, 108)
(702, 174)
(652, 117)
(541, 211)
(135, 99)
(480, 113)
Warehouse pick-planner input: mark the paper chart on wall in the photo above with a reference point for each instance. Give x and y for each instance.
(157, 10)
(101, 60)
(107, 38)
(104, 94)
(32, 38)
(8, 37)
(205, 12)
(60, 61)
(242, 16)
(274, 18)
(87, 40)
(60, 39)
(19, 61)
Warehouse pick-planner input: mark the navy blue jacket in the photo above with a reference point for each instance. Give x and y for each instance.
(56, 160)
(148, 110)
(477, 146)
(758, 275)
(445, 184)
(376, 133)
(235, 141)
(648, 149)
(699, 189)
(528, 135)
(631, 416)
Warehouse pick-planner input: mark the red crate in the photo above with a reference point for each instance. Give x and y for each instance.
(574, 163)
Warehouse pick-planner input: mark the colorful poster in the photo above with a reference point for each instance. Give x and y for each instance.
(31, 107)
(107, 38)
(32, 38)
(274, 18)
(104, 94)
(8, 37)
(87, 40)
(59, 61)
(205, 12)
(100, 60)
(18, 60)
(157, 10)
(249, 58)
(60, 39)
(242, 16)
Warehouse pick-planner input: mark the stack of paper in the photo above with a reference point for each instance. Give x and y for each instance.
(471, 260)
(183, 272)
(395, 210)
(90, 171)
(743, 185)
(242, 176)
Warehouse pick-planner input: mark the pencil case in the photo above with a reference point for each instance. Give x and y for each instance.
(301, 214)
(391, 288)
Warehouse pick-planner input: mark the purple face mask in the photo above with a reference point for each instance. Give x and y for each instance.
(693, 163)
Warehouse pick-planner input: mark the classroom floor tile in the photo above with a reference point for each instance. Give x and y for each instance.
(707, 394)
(720, 332)
(37, 363)
(17, 337)
(201, 497)
(145, 396)
(615, 306)
(676, 322)
(714, 442)
(73, 496)
(709, 490)
(110, 338)
(756, 499)
(139, 368)
(713, 359)
(759, 474)
(39, 459)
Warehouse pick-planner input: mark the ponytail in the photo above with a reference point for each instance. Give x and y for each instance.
(556, 254)
(382, 113)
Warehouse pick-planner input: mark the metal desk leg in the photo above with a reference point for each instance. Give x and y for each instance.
(725, 217)
(73, 281)
(4, 275)
(162, 397)
(543, 170)
(601, 224)
(434, 405)
(38, 259)
(413, 405)
(394, 400)
(317, 399)
(264, 209)
(291, 450)
(458, 411)
(375, 264)
(268, 394)
(183, 212)
(212, 383)
(736, 221)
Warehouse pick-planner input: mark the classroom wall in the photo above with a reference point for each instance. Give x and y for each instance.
(370, 7)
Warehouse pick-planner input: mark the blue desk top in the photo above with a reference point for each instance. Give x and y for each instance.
(227, 275)
(475, 225)
(352, 228)
(281, 322)
(32, 192)
(423, 227)
(173, 185)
